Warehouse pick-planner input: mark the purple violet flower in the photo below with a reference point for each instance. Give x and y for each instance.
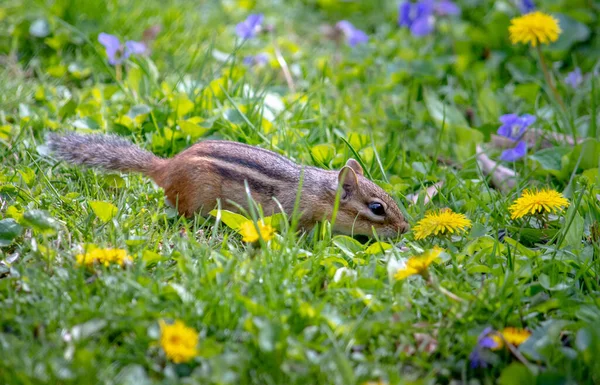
(117, 53)
(419, 17)
(250, 27)
(574, 78)
(446, 7)
(516, 153)
(526, 6)
(513, 126)
(484, 342)
(354, 36)
(256, 60)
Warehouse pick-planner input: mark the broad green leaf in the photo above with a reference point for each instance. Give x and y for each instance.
(134, 78)
(577, 32)
(189, 127)
(443, 114)
(519, 247)
(532, 236)
(105, 211)
(275, 220)
(465, 141)
(487, 130)
(358, 141)
(516, 374)
(133, 374)
(479, 269)
(28, 175)
(547, 283)
(41, 221)
(113, 180)
(348, 245)
(378, 248)
(488, 106)
(589, 152)
(87, 123)
(9, 230)
(527, 91)
(182, 105)
(574, 236)
(88, 329)
(550, 158)
(592, 175)
(229, 218)
(151, 258)
(323, 153)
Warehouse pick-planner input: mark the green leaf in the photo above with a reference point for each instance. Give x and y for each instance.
(182, 105)
(516, 374)
(348, 245)
(275, 220)
(443, 114)
(189, 127)
(134, 78)
(519, 247)
(229, 218)
(133, 374)
(527, 91)
(113, 180)
(105, 211)
(152, 258)
(88, 329)
(487, 130)
(9, 230)
(41, 221)
(574, 235)
(378, 248)
(550, 158)
(86, 123)
(589, 152)
(487, 104)
(323, 153)
(67, 109)
(575, 32)
(531, 236)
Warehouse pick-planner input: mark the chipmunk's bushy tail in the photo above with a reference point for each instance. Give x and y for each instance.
(108, 152)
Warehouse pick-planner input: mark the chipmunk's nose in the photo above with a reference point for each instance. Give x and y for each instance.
(403, 227)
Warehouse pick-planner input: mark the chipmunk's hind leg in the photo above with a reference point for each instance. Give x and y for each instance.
(189, 186)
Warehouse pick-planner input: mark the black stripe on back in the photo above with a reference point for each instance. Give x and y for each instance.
(271, 172)
(256, 185)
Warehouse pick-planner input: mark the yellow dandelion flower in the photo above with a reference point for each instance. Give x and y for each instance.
(513, 336)
(443, 222)
(178, 341)
(104, 257)
(418, 264)
(537, 202)
(250, 235)
(534, 28)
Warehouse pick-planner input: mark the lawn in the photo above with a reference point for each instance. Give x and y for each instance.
(488, 142)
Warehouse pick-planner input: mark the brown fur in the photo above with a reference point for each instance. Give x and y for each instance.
(212, 170)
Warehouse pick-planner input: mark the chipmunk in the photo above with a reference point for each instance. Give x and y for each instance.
(211, 170)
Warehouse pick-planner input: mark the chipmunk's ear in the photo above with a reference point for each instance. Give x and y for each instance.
(348, 181)
(353, 164)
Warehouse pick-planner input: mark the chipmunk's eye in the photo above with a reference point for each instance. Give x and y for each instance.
(377, 208)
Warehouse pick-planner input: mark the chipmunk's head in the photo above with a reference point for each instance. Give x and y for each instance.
(365, 207)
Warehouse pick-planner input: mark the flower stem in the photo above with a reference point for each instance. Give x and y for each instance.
(284, 66)
(119, 73)
(549, 78)
(434, 282)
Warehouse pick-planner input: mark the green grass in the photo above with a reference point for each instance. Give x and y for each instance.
(314, 308)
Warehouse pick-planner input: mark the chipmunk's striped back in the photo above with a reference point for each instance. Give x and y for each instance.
(215, 172)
